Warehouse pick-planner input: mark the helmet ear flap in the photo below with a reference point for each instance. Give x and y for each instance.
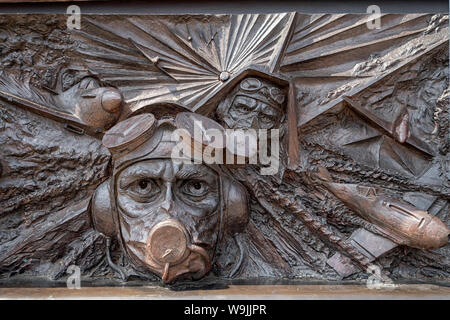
(101, 210)
(235, 209)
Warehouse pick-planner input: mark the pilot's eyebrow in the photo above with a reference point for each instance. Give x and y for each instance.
(140, 171)
(191, 172)
(145, 170)
(245, 100)
(270, 111)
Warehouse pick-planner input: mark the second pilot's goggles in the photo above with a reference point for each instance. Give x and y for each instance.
(254, 85)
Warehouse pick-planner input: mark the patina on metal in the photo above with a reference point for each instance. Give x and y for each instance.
(88, 176)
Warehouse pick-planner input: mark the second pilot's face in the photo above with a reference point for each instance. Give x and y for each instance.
(247, 112)
(169, 216)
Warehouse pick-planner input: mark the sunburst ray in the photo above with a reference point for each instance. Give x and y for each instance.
(155, 53)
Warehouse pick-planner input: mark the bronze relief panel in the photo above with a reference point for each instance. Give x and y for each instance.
(343, 167)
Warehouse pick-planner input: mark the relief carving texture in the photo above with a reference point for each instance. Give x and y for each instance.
(87, 176)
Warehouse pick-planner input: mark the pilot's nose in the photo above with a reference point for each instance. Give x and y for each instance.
(168, 198)
(111, 100)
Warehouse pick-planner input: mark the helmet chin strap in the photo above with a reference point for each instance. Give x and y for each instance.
(242, 252)
(114, 266)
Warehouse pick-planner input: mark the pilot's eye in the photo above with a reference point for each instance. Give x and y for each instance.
(243, 105)
(143, 190)
(143, 184)
(195, 188)
(197, 185)
(243, 108)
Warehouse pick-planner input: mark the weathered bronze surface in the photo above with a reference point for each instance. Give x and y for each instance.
(88, 176)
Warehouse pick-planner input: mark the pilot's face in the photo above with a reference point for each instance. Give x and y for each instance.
(169, 217)
(247, 112)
